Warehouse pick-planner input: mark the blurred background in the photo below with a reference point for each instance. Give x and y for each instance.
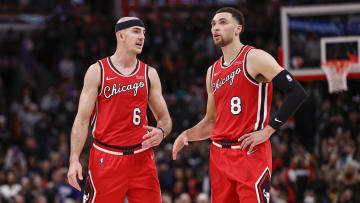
(46, 47)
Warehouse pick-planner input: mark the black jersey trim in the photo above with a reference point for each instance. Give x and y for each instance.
(117, 71)
(245, 68)
(237, 56)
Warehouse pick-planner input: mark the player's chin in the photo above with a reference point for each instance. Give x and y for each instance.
(218, 43)
(138, 50)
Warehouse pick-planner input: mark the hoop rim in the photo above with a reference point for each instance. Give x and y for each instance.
(343, 62)
(341, 65)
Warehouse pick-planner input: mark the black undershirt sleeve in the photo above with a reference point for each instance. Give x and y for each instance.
(295, 95)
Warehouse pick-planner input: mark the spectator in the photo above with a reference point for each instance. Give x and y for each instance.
(9, 190)
(183, 198)
(37, 106)
(202, 198)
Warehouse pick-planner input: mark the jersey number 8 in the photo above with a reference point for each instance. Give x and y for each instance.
(235, 105)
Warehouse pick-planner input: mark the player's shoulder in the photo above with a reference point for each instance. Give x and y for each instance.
(153, 75)
(255, 52)
(152, 70)
(95, 67)
(258, 56)
(218, 61)
(93, 72)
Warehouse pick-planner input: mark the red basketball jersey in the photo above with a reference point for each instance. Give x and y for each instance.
(120, 109)
(242, 104)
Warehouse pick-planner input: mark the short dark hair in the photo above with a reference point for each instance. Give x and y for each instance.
(238, 15)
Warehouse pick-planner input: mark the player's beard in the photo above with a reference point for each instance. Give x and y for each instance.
(223, 42)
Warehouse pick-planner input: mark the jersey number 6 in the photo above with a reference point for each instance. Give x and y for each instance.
(136, 116)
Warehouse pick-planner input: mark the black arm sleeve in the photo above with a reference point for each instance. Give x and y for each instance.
(295, 95)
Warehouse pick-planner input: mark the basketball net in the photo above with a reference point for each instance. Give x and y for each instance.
(336, 71)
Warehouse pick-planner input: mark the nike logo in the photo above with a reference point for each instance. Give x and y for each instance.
(250, 152)
(107, 78)
(277, 120)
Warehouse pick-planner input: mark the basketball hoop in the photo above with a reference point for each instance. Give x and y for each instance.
(336, 72)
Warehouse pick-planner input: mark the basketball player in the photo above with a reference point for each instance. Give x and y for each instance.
(239, 87)
(119, 88)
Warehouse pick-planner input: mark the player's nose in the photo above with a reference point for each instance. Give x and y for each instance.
(215, 29)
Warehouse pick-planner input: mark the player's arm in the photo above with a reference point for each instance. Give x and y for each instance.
(262, 65)
(80, 127)
(159, 109)
(204, 128)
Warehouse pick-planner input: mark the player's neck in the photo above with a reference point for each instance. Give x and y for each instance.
(123, 59)
(231, 50)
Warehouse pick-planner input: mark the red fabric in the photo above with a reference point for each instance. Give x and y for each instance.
(120, 113)
(234, 174)
(192, 184)
(114, 177)
(280, 56)
(278, 163)
(242, 104)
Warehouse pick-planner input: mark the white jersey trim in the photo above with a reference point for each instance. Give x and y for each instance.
(244, 69)
(92, 183)
(259, 107)
(231, 147)
(212, 67)
(103, 77)
(239, 54)
(146, 79)
(262, 105)
(265, 104)
(95, 118)
(258, 181)
(117, 153)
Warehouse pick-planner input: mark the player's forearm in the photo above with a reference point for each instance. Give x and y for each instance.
(201, 131)
(79, 133)
(295, 95)
(165, 123)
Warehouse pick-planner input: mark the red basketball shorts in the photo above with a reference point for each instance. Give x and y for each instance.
(112, 177)
(238, 176)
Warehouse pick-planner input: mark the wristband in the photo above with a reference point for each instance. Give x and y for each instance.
(163, 131)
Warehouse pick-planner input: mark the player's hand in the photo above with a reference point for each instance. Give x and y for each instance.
(75, 171)
(255, 138)
(179, 143)
(153, 137)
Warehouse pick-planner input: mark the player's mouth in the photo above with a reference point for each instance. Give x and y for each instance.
(216, 36)
(139, 45)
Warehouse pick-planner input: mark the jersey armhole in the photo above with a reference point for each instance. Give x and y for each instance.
(148, 80)
(246, 73)
(211, 76)
(100, 88)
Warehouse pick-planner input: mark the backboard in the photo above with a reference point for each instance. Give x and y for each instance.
(314, 34)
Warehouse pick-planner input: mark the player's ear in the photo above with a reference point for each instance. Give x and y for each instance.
(238, 29)
(120, 35)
